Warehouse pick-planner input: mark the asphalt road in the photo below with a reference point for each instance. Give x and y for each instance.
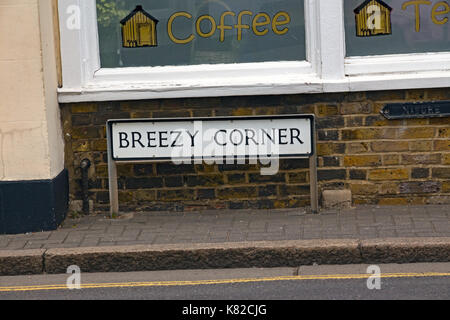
(397, 282)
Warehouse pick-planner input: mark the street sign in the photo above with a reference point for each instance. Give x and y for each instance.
(212, 140)
(288, 136)
(417, 110)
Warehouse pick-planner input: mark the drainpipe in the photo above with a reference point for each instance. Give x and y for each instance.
(85, 165)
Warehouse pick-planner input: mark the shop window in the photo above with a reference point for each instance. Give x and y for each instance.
(191, 32)
(377, 27)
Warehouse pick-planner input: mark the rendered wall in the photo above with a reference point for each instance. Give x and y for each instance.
(31, 143)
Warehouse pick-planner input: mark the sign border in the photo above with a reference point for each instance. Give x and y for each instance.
(311, 117)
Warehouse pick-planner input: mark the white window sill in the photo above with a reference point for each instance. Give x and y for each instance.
(399, 63)
(110, 89)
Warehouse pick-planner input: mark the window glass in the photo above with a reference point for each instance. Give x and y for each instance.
(190, 32)
(396, 26)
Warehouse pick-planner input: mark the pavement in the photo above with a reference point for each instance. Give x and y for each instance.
(233, 239)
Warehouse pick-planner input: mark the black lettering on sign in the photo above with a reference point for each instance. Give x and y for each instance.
(283, 136)
(151, 138)
(233, 136)
(163, 139)
(295, 134)
(175, 141)
(250, 135)
(192, 137)
(432, 109)
(216, 140)
(137, 137)
(268, 136)
(123, 138)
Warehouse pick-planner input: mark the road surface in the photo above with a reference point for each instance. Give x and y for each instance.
(409, 281)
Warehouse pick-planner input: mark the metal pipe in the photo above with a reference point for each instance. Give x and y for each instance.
(85, 165)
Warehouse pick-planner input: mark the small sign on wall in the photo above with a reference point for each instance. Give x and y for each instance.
(373, 18)
(439, 109)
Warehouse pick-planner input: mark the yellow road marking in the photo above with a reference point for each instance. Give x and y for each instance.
(225, 281)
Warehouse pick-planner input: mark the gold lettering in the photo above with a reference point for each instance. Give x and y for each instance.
(213, 26)
(276, 22)
(257, 24)
(435, 12)
(222, 27)
(170, 32)
(241, 26)
(417, 4)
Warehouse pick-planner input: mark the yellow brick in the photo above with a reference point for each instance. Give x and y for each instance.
(442, 145)
(266, 111)
(420, 145)
(440, 121)
(361, 147)
(84, 108)
(390, 146)
(148, 105)
(362, 161)
(353, 121)
(126, 196)
(377, 107)
(364, 189)
(417, 201)
(145, 195)
(242, 112)
(324, 110)
(326, 149)
(80, 146)
(388, 174)
(99, 145)
(391, 159)
(140, 115)
(101, 171)
(291, 203)
(206, 168)
(389, 188)
(375, 121)
(422, 158)
(437, 94)
(356, 108)
(416, 133)
(444, 133)
(416, 94)
(393, 201)
(124, 170)
(390, 95)
(416, 122)
(362, 201)
(446, 158)
(368, 134)
(280, 204)
(446, 186)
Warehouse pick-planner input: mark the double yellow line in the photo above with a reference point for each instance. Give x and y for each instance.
(216, 282)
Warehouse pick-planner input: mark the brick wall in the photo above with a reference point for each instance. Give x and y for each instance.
(381, 161)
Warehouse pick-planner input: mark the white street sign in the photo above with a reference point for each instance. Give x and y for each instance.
(289, 136)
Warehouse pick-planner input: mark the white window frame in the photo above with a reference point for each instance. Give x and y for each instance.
(326, 69)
